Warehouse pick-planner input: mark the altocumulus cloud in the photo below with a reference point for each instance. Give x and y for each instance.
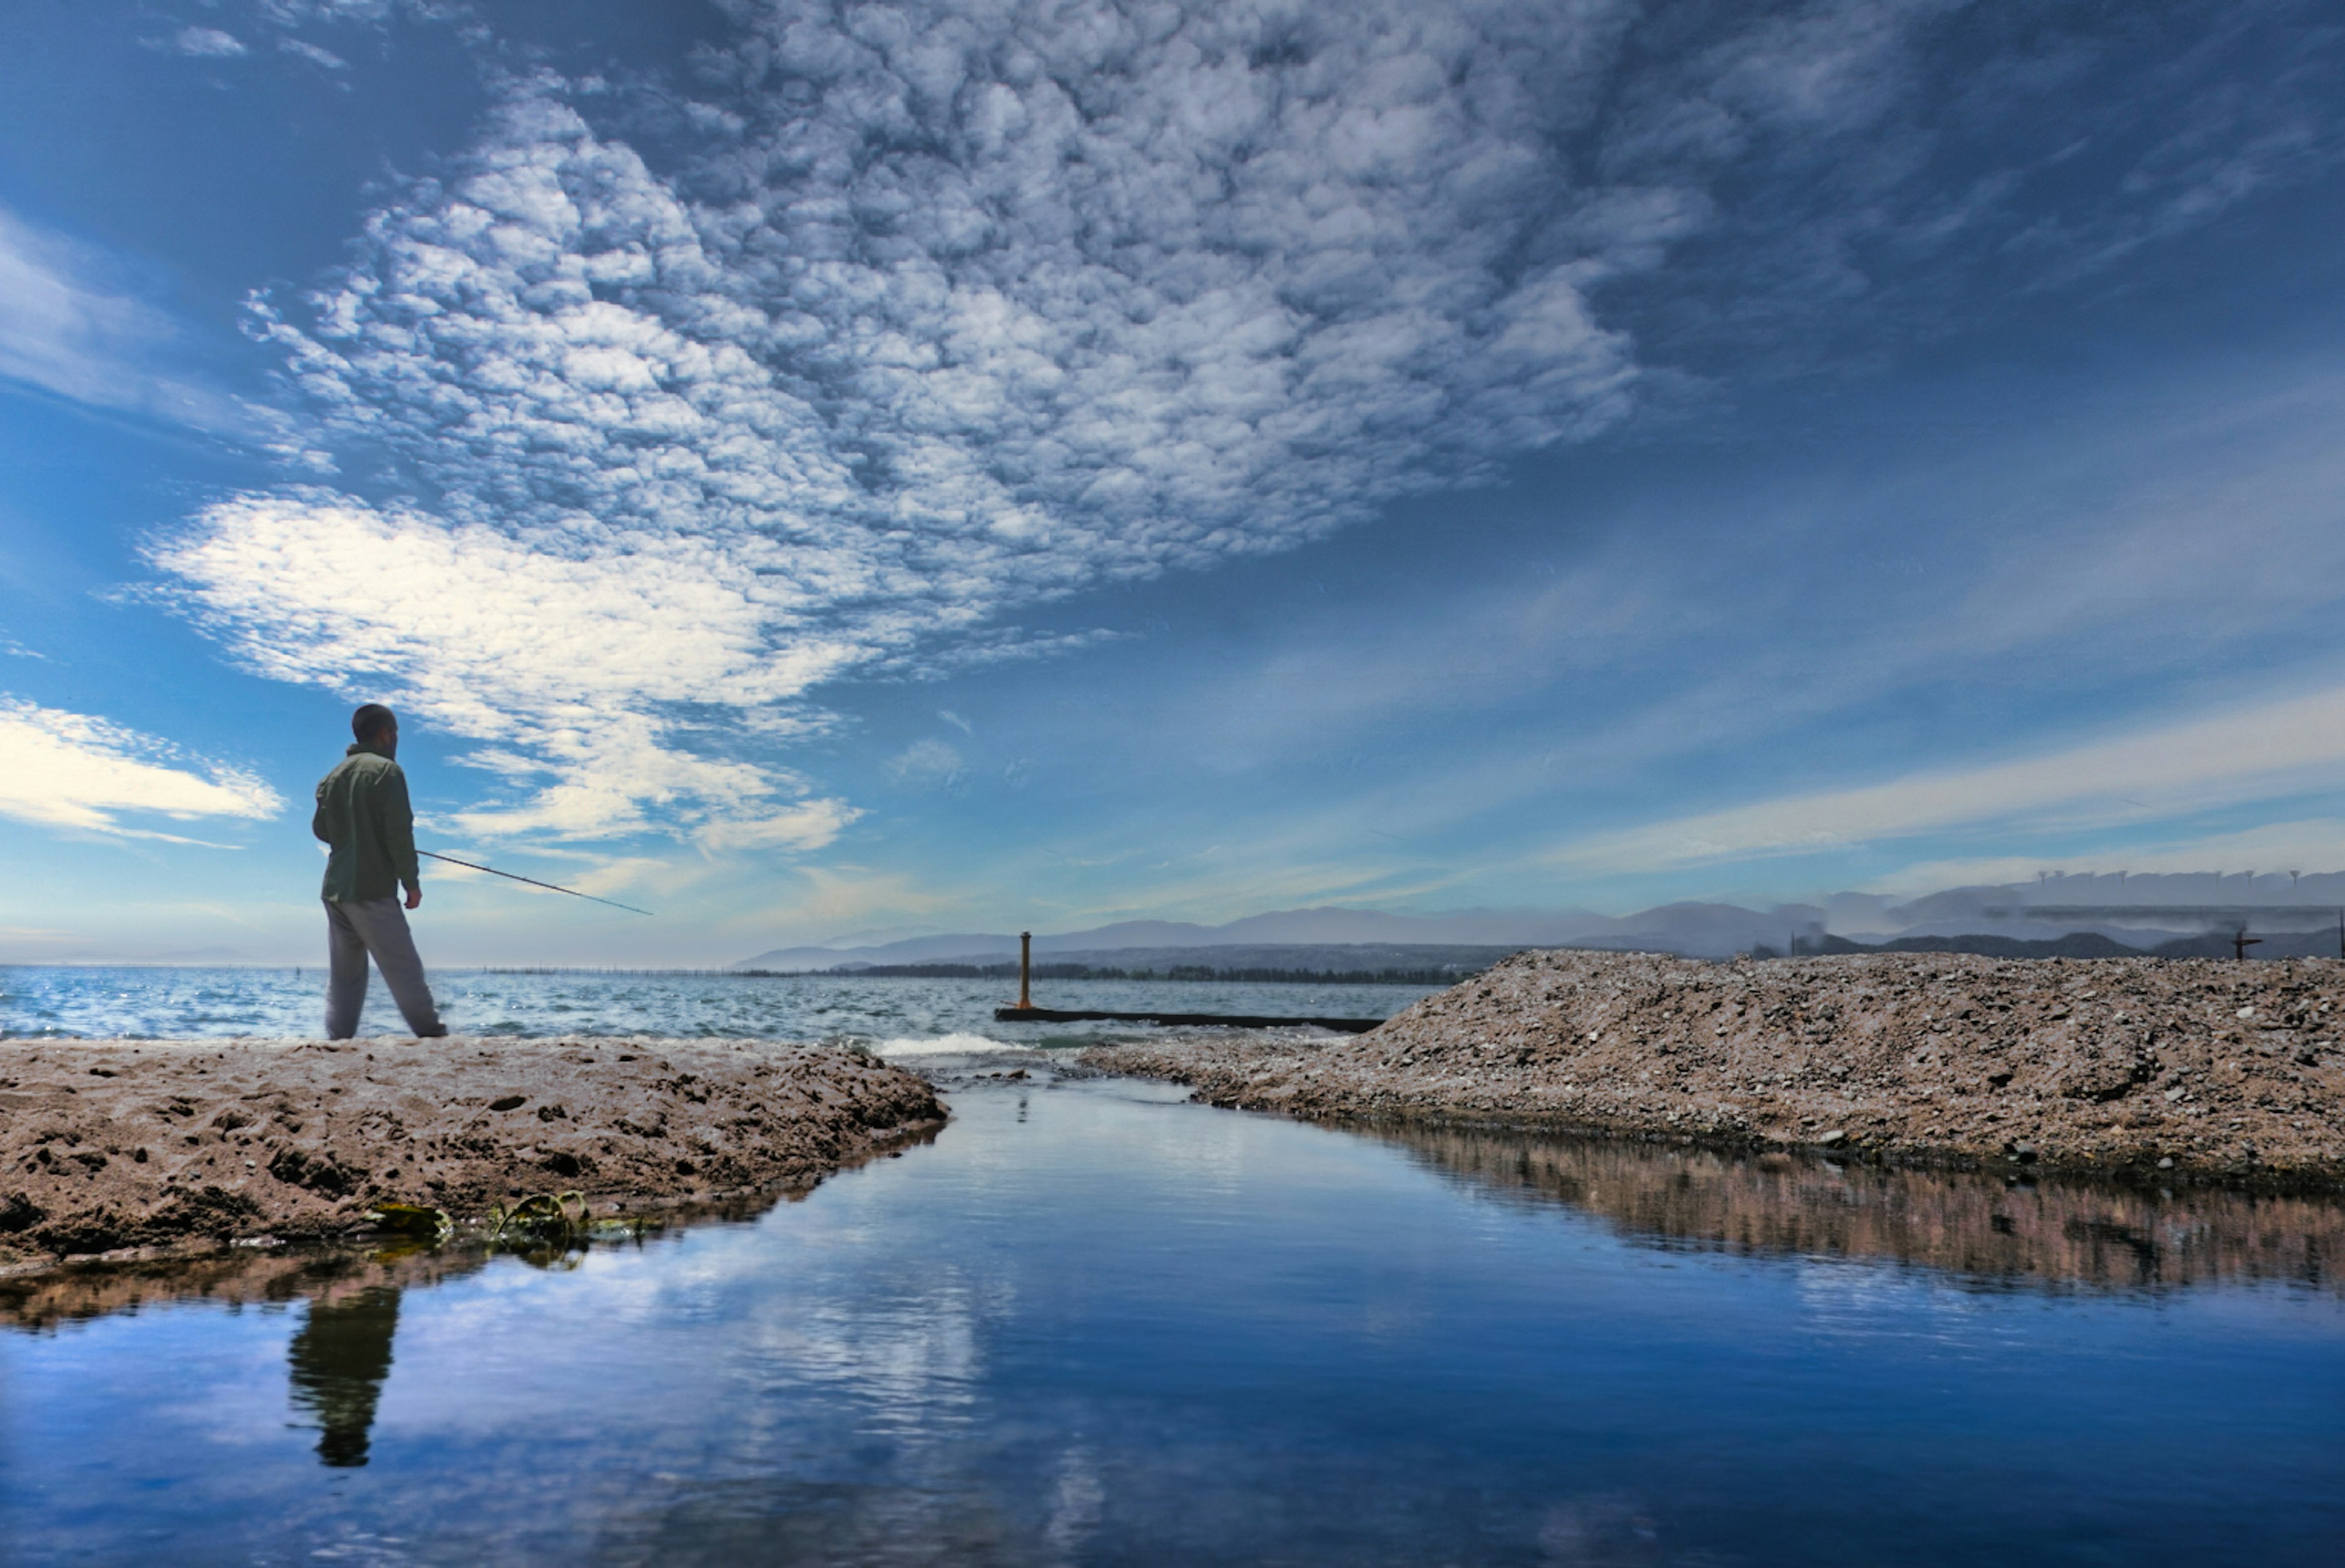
(581, 665)
(948, 311)
(69, 770)
(926, 312)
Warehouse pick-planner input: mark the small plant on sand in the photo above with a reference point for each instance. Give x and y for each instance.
(416, 1220)
(541, 1217)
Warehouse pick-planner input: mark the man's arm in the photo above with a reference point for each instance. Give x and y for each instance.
(319, 829)
(399, 835)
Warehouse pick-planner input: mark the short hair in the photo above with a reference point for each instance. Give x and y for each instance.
(371, 721)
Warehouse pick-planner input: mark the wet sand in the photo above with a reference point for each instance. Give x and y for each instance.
(118, 1146)
(2173, 1070)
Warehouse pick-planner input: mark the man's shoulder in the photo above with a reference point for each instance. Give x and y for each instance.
(368, 766)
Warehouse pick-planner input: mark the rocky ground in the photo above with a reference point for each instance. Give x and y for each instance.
(113, 1145)
(2195, 1068)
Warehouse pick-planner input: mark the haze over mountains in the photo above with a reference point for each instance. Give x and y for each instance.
(2291, 912)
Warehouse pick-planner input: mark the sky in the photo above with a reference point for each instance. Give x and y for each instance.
(813, 471)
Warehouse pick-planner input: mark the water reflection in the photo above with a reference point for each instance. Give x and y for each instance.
(1129, 1329)
(232, 1278)
(782, 1520)
(1979, 1226)
(338, 1362)
(340, 1356)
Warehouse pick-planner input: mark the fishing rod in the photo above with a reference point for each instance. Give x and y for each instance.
(533, 881)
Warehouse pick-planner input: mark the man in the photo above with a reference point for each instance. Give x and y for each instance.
(362, 813)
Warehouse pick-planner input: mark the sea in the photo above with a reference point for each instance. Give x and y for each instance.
(902, 1015)
(1091, 1322)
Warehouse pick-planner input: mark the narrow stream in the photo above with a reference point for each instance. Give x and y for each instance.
(1093, 1324)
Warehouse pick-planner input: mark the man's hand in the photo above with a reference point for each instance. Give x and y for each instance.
(415, 897)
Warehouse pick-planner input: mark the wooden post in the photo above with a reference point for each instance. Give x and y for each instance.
(1025, 969)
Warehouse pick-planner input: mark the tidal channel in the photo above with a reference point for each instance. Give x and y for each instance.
(1091, 1323)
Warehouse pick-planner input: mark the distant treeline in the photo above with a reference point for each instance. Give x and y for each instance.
(1437, 977)
(2075, 944)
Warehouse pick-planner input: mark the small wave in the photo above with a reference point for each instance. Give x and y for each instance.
(943, 1046)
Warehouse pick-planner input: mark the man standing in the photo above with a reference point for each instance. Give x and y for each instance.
(362, 813)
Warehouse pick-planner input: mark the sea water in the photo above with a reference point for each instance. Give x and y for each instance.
(1090, 1322)
(64, 1002)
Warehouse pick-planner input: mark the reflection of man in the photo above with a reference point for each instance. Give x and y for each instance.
(339, 1359)
(363, 814)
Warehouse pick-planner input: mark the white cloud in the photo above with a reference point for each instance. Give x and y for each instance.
(64, 330)
(208, 42)
(926, 764)
(324, 58)
(292, 13)
(2259, 753)
(1061, 348)
(584, 663)
(808, 824)
(942, 309)
(817, 403)
(69, 770)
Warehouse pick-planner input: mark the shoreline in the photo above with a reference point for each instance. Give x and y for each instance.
(119, 1149)
(2193, 1070)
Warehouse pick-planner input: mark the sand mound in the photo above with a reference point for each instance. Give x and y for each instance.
(2221, 1068)
(107, 1145)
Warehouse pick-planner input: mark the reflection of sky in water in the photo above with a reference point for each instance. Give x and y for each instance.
(1127, 1329)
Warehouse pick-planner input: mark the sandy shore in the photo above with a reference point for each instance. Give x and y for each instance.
(108, 1146)
(2178, 1070)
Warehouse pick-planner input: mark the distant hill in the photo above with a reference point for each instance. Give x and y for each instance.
(1712, 930)
(2075, 944)
(2165, 914)
(1426, 964)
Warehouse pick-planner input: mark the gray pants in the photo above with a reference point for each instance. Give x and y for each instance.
(376, 925)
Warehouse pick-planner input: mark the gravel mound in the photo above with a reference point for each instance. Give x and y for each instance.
(121, 1144)
(2199, 1067)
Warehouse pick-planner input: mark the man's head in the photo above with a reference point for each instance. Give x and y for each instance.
(375, 725)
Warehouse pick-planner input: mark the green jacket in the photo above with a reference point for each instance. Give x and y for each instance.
(363, 812)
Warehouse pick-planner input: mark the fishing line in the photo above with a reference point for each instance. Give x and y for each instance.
(533, 881)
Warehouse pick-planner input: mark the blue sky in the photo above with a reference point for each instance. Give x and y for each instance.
(811, 469)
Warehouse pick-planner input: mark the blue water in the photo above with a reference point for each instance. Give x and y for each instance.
(1093, 1324)
(53, 1002)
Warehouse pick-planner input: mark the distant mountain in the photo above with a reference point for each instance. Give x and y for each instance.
(1707, 930)
(1712, 929)
(1389, 961)
(2163, 913)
